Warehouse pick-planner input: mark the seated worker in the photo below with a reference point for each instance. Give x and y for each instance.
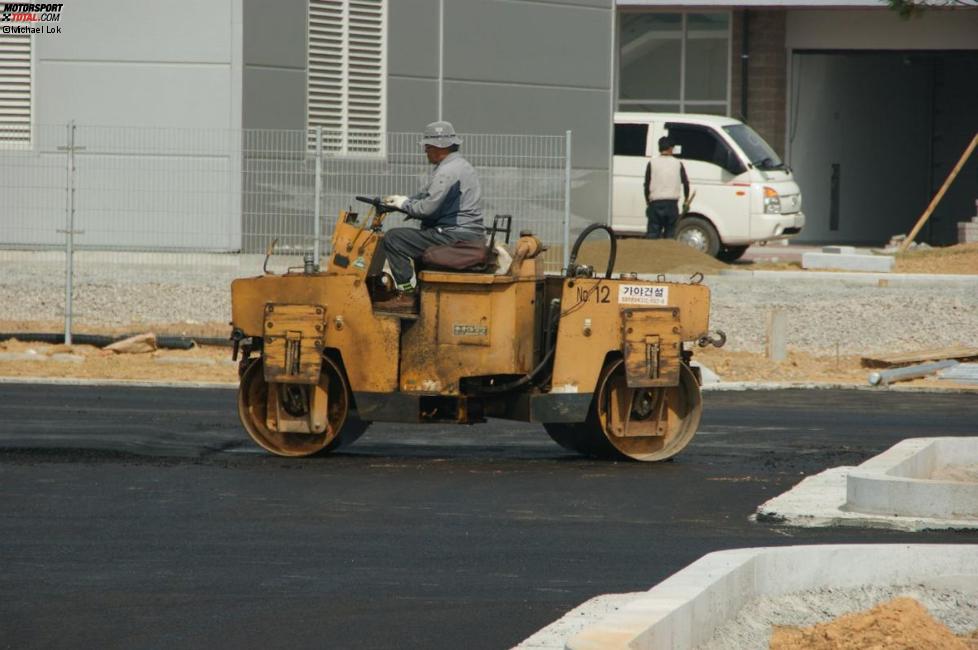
(449, 207)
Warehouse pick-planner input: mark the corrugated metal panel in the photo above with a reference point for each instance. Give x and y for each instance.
(346, 75)
(15, 89)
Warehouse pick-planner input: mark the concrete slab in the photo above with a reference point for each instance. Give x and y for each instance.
(29, 355)
(575, 621)
(900, 503)
(67, 357)
(684, 610)
(848, 262)
(893, 280)
(909, 480)
(839, 250)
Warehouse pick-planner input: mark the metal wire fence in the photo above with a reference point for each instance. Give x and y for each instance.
(163, 218)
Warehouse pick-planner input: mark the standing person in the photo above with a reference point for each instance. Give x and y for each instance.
(449, 207)
(663, 176)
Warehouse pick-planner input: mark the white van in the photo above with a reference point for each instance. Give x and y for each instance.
(744, 192)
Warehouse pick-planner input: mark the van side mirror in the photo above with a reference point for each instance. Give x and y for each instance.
(733, 163)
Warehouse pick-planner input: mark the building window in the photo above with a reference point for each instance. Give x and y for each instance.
(674, 62)
(15, 91)
(346, 76)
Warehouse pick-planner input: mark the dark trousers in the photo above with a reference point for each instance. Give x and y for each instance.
(663, 216)
(402, 245)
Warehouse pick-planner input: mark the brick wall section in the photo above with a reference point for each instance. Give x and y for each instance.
(766, 73)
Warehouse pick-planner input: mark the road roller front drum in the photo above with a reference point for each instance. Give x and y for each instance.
(646, 424)
(255, 402)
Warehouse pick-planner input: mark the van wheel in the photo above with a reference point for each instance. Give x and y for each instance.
(700, 234)
(732, 253)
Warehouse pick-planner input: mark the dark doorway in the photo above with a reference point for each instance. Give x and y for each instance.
(873, 135)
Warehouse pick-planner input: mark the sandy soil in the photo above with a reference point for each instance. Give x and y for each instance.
(634, 254)
(200, 364)
(961, 259)
(961, 473)
(213, 329)
(899, 624)
(213, 364)
(667, 256)
(649, 256)
(799, 366)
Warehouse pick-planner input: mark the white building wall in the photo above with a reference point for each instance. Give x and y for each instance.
(144, 73)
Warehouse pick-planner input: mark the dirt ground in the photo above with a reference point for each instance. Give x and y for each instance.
(213, 329)
(900, 624)
(200, 364)
(212, 363)
(960, 259)
(649, 256)
(667, 256)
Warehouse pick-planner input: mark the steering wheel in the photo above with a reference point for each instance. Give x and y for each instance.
(379, 206)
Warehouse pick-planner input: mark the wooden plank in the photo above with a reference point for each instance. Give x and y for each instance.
(919, 356)
(940, 194)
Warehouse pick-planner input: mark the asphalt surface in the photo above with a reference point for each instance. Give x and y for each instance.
(143, 518)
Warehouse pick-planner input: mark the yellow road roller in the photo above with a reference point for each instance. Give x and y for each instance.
(602, 362)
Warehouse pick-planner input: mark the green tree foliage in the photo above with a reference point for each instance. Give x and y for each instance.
(910, 8)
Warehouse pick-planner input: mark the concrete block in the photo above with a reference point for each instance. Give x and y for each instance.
(684, 610)
(903, 480)
(29, 355)
(186, 361)
(839, 250)
(968, 231)
(871, 263)
(918, 484)
(67, 357)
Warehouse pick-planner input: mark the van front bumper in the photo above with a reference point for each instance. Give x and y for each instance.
(764, 227)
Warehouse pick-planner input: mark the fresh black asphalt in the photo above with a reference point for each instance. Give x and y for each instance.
(144, 518)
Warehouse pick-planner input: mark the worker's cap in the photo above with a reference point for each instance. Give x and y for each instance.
(440, 134)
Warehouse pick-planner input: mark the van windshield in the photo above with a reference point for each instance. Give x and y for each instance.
(759, 153)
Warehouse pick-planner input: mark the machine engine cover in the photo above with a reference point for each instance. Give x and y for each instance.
(294, 338)
(652, 346)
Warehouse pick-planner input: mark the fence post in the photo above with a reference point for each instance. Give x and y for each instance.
(69, 230)
(567, 197)
(317, 201)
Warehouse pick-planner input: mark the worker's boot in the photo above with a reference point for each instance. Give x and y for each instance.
(402, 303)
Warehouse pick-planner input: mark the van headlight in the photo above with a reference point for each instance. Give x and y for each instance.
(772, 202)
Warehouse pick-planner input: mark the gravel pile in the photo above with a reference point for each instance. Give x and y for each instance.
(823, 316)
(752, 627)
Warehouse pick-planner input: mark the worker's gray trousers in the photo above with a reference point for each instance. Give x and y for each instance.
(402, 245)
(663, 217)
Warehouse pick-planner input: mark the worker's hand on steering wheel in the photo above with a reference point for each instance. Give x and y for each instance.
(395, 201)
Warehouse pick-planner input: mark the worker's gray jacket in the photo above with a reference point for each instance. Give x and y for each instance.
(451, 200)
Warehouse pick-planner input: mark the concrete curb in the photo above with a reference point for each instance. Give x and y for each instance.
(908, 480)
(735, 386)
(893, 279)
(832, 497)
(684, 610)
